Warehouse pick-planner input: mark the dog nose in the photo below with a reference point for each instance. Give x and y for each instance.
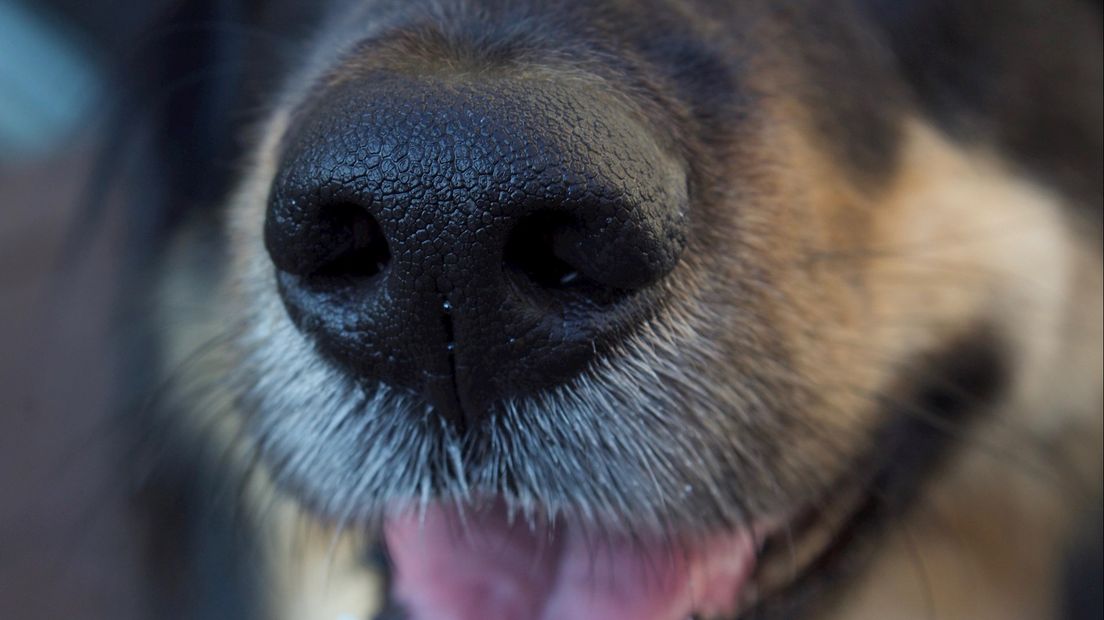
(472, 242)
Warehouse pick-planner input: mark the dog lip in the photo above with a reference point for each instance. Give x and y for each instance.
(797, 546)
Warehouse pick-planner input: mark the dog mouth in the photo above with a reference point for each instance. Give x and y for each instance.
(492, 563)
(489, 564)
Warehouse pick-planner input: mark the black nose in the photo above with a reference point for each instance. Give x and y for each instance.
(472, 242)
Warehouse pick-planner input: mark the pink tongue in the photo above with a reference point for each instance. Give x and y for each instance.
(485, 568)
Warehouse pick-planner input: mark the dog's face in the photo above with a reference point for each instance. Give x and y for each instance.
(683, 289)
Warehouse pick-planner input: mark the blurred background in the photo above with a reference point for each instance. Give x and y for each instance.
(65, 551)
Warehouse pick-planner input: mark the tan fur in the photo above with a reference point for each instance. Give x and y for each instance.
(963, 236)
(317, 572)
(871, 278)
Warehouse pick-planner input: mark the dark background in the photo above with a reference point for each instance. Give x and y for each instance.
(67, 548)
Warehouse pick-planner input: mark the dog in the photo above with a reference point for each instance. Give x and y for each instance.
(618, 310)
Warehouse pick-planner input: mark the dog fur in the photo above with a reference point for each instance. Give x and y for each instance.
(890, 304)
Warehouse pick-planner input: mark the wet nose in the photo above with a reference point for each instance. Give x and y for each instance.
(471, 242)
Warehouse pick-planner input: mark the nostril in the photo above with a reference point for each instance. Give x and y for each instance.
(541, 261)
(358, 245)
(340, 239)
(531, 251)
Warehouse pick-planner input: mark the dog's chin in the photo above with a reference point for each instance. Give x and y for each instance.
(572, 505)
(522, 518)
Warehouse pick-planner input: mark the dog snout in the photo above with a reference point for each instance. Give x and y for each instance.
(471, 240)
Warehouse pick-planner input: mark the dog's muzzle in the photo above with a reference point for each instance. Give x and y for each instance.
(472, 238)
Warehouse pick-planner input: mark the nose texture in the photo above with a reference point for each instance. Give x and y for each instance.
(471, 241)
